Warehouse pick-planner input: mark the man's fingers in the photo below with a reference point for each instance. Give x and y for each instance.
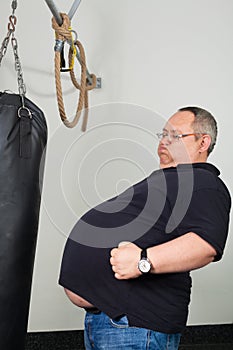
(118, 276)
(112, 261)
(123, 243)
(113, 268)
(113, 252)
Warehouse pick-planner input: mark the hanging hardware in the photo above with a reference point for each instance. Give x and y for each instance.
(14, 43)
(61, 24)
(57, 15)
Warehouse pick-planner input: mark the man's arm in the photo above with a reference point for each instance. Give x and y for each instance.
(185, 253)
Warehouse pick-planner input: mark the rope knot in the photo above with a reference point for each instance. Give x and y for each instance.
(62, 32)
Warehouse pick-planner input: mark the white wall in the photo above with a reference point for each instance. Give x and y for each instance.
(154, 56)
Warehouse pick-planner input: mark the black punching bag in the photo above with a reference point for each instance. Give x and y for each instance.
(23, 136)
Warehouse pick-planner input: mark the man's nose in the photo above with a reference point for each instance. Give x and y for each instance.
(165, 141)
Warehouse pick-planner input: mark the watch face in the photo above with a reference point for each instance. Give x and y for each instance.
(144, 265)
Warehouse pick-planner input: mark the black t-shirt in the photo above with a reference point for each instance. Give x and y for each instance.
(165, 205)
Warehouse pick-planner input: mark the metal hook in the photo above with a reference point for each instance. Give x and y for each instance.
(75, 35)
(23, 108)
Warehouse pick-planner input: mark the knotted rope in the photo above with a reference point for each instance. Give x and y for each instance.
(63, 33)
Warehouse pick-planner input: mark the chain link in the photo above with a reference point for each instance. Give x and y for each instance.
(14, 43)
(11, 29)
(4, 46)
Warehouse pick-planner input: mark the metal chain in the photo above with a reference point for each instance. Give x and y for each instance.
(14, 43)
(4, 46)
(11, 29)
(18, 68)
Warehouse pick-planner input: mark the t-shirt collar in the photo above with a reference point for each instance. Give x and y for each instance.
(207, 166)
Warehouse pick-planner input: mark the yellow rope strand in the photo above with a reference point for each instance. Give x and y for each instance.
(74, 51)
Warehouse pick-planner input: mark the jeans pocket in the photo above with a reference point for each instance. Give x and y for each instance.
(163, 341)
(120, 322)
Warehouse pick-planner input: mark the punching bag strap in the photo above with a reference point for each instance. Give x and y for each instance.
(25, 127)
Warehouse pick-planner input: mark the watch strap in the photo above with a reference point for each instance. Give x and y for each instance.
(143, 254)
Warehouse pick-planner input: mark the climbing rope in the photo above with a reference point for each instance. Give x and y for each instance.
(63, 33)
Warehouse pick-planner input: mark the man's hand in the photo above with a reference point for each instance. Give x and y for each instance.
(124, 261)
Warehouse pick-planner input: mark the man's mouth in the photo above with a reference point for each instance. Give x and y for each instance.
(162, 149)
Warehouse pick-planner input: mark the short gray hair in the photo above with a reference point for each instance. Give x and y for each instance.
(203, 123)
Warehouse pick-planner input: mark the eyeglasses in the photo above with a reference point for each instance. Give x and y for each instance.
(174, 137)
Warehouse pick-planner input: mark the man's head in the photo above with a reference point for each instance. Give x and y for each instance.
(188, 137)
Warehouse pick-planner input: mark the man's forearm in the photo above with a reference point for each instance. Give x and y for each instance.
(185, 253)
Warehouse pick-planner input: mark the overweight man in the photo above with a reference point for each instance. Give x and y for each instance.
(127, 261)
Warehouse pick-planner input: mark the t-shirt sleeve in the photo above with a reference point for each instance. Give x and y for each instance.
(208, 217)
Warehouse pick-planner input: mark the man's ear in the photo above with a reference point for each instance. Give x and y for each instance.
(205, 143)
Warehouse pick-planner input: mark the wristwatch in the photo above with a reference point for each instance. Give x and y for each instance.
(144, 264)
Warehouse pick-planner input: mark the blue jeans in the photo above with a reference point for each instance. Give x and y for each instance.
(104, 333)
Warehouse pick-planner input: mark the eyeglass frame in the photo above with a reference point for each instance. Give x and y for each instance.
(175, 137)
